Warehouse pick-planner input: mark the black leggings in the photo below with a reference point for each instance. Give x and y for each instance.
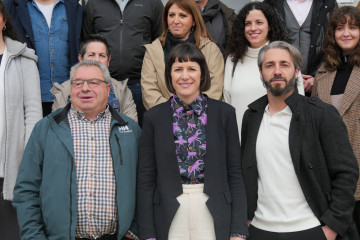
(9, 227)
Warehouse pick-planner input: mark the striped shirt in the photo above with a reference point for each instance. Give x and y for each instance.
(96, 187)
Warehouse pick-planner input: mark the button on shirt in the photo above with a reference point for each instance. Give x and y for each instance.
(189, 128)
(51, 46)
(96, 201)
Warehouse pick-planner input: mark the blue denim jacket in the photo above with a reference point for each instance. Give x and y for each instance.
(51, 46)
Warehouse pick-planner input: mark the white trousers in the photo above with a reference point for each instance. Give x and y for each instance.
(192, 220)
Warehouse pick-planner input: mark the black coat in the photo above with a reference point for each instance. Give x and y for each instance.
(323, 159)
(126, 32)
(322, 9)
(159, 181)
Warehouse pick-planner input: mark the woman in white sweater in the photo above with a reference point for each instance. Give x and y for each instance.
(256, 24)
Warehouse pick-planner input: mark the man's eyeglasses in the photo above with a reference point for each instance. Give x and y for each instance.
(92, 83)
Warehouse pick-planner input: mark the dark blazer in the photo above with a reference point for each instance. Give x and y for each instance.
(159, 182)
(21, 19)
(323, 159)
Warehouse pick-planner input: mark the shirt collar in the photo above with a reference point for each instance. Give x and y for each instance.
(198, 106)
(81, 116)
(286, 111)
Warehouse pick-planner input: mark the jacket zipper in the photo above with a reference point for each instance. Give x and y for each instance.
(117, 141)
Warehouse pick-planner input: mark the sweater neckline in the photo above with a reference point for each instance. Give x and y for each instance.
(254, 52)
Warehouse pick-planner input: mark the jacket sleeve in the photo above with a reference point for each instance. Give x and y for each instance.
(27, 189)
(215, 61)
(228, 80)
(342, 167)
(87, 27)
(235, 177)
(156, 27)
(146, 181)
(151, 93)
(129, 105)
(32, 95)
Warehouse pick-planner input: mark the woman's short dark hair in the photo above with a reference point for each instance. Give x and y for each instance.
(187, 52)
(9, 30)
(238, 44)
(332, 51)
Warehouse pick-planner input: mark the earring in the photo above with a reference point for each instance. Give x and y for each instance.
(192, 28)
(4, 28)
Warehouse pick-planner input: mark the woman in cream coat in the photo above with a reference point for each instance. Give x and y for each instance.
(182, 22)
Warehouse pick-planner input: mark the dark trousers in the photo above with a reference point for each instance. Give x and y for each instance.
(137, 96)
(357, 216)
(9, 227)
(309, 234)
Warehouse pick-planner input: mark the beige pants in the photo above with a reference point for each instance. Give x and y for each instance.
(192, 220)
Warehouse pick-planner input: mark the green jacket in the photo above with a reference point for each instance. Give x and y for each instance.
(45, 194)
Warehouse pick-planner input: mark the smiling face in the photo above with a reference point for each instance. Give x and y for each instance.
(186, 78)
(90, 101)
(179, 22)
(278, 72)
(256, 28)
(347, 36)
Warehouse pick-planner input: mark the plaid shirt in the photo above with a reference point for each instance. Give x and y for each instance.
(96, 200)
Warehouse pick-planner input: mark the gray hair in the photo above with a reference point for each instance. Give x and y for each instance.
(91, 63)
(294, 52)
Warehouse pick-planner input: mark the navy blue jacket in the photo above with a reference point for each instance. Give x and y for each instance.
(20, 16)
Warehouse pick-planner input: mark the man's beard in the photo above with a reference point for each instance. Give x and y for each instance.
(277, 90)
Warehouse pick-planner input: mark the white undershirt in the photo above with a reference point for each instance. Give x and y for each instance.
(47, 11)
(300, 9)
(122, 4)
(281, 205)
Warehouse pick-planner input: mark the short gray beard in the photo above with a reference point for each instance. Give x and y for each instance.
(277, 91)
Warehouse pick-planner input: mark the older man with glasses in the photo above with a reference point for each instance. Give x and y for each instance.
(80, 164)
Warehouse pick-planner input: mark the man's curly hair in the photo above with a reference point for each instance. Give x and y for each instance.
(238, 44)
(332, 51)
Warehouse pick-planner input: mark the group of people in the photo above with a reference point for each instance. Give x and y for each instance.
(215, 158)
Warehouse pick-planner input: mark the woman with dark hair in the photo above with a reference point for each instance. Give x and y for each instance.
(256, 24)
(189, 182)
(337, 80)
(182, 22)
(20, 109)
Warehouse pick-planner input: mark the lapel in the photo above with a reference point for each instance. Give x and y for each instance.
(21, 8)
(166, 143)
(212, 144)
(352, 90)
(253, 121)
(296, 130)
(325, 82)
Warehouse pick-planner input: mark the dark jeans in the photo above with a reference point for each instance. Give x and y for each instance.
(137, 96)
(309, 234)
(9, 228)
(47, 108)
